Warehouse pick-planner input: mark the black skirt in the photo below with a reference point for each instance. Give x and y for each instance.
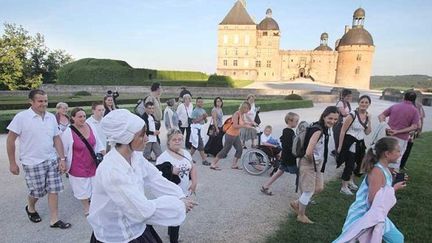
(149, 236)
(214, 144)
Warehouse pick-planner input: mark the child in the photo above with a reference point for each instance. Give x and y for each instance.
(375, 198)
(152, 144)
(288, 160)
(271, 142)
(171, 119)
(199, 118)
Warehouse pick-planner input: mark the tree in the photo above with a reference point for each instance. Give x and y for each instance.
(25, 61)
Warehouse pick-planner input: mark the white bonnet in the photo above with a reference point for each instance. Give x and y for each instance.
(120, 126)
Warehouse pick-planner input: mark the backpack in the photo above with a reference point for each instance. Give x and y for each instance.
(227, 124)
(303, 133)
(140, 107)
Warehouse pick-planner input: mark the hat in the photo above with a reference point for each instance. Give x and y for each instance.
(120, 126)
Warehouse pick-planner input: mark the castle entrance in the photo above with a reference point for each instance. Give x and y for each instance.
(301, 73)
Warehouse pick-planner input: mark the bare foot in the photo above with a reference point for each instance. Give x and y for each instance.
(304, 219)
(295, 206)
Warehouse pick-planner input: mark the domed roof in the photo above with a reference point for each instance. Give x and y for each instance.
(356, 36)
(324, 36)
(323, 48)
(268, 23)
(359, 13)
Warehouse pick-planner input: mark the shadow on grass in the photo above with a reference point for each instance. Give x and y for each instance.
(412, 213)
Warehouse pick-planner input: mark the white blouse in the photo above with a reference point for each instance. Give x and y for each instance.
(184, 165)
(119, 210)
(183, 113)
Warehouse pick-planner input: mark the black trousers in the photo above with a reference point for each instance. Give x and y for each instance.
(149, 236)
(405, 156)
(349, 166)
(173, 232)
(188, 145)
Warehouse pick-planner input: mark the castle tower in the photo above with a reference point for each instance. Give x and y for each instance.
(356, 49)
(323, 64)
(268, 58)
(236, 44)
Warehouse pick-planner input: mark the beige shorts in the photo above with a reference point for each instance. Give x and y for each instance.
(309, 180)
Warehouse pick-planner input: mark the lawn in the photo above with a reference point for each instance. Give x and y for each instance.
(412, 213)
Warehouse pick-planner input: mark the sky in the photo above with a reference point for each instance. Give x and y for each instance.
(182, 34)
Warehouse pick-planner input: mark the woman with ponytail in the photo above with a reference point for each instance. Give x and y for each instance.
(367, 219)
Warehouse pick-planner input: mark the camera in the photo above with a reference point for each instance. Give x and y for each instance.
(399, 177)
(114, 94)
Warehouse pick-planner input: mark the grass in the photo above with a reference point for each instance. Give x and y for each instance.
(412, 214)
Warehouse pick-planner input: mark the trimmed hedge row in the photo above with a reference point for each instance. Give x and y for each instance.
(226, 81)
(229, 108)
(93, 71)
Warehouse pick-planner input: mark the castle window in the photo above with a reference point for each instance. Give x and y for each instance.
(265, 33)
(272, 74)
(235, 63)
(269, 64)
(359, 57)
(225, 62)
(247, 40)
(247, 73)
(246, 52)
(234, 73)
(292, 60)
(236, 52)
(265, 74)
(226, 51)
(246, 63)
(258, 43)
(357, 70)
(258, 63)
(225, 39)
(236, 39)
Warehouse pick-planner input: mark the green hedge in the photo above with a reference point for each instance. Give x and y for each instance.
(93, 71)
(226, 81)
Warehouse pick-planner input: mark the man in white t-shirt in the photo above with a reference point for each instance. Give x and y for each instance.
(38, 135)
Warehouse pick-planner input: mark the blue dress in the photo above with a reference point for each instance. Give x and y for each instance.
(361, 205)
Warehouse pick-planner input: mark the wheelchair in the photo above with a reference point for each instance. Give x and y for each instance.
(257, 161)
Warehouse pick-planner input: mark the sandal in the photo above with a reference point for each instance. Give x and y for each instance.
(266, 191)
(61, 225)
(236, 168)
(214, 168)
(34, 217)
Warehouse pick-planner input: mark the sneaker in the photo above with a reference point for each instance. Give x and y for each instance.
(352, 186)
(206, 163)
(346, 191)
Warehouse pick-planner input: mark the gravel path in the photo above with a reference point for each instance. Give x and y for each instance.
(231, 207)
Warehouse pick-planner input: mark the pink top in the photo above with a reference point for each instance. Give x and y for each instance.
(82, 162)
(401, 116)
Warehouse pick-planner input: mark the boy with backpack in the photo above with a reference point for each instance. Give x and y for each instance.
(288, 160)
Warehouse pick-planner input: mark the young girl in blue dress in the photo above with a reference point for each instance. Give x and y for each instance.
(375, 164)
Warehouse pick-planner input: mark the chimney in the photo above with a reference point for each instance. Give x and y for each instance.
(347, 28)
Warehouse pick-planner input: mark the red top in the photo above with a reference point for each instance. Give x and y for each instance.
(82, 161)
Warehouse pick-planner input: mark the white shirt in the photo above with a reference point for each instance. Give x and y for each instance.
(183, 113)
(95, 125)
(250, 115)
(119, 210)
(318, 151)
(184, 165)
(35, 136)
(340, 104)
(152, 128)
(356, 130)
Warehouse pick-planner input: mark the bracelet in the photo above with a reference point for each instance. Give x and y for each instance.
(63, 159)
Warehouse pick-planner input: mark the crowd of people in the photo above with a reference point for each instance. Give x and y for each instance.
(108, 156)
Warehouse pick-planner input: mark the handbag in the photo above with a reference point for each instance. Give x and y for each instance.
(211, 131)
(257, 119)
(97, 157)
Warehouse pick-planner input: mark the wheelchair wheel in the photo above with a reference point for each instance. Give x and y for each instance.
(255, 162)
